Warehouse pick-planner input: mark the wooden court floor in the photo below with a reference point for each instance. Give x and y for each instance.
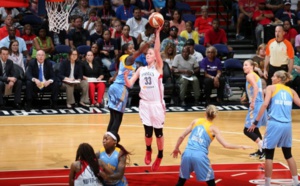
(46, 142)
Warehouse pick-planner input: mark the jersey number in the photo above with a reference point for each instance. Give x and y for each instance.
(147, 80)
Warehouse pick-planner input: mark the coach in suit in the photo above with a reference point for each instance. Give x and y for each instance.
(71, 70)
(40, 77)
(9, 78)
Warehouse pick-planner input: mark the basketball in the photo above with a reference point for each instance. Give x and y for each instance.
(156, 20)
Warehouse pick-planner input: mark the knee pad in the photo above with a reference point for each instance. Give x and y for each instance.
(158, 133)
(287, 152)
(269, 153)
(148, 131)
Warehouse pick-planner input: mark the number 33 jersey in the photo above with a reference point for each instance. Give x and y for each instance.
(151, 84)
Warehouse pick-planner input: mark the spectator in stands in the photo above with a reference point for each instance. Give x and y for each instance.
(262, 17)
(274, 5)
(8, 79)
(146, 7)
(165, 32)
(107, 13)
(15, 55)
(259, 60)
(203, 23)
(167, 11)
(216, 35)
(174, 38)
(197, 55)
(290, 32)
(235, 11)
(28, 36)
(92, 69)
(40, 77)
(297, 43)
(70, 70)
(116, 3)
(95, 50)
(89, 25)
(169, 54)
(125, 11)
(136, 23)
(147, 34)
(296, 75)
(82, 10)
(60, 38)
(286, 13)
(42, 42)
(108, 49)
(283, 60)
(212, 68)
(98, 32)
(126, 38)
(12, 36)
(79, 36)
(189, 33)
(4, 30)
(177, 21)
(13, 12)
(116, 30)
(247, 7)
(185, 67)
(159, 4)
(96, 4)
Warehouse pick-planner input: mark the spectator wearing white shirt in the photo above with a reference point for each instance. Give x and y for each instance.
(197, 55)
(15, 55)
(136, 23)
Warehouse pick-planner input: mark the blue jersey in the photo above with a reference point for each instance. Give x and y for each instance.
(112, 162)
(281, 103)
(122, 68)
(200, 137)
(252, 113)
(250, 89)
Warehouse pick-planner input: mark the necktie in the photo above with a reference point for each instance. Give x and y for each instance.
(41, 73)
(3, 69)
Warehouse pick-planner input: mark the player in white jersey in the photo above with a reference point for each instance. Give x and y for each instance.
(152, 106)
(85, 170)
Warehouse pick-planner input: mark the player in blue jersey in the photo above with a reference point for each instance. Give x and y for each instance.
(195, 156)
(114, 155)
(279, 100)
(256, 99)
(118, 92)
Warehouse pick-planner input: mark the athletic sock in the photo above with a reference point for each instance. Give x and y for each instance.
(295, 180)
(267, 181)
(260, 143)
(160, 154)
(148, 148)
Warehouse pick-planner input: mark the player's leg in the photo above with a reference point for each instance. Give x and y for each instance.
(160, 145)
(269, 165)
(148, 141)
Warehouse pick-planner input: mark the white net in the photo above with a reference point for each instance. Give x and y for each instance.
(58, 14)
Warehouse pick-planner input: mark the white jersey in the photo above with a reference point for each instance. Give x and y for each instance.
(86, 177)
(152, 88)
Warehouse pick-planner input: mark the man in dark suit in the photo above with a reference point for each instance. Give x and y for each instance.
(9, 78)
(71, 70)
(40, 77)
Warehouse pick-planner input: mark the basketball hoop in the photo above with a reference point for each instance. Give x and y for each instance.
(58, 14)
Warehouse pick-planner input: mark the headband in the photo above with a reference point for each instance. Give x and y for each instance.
(111, 135)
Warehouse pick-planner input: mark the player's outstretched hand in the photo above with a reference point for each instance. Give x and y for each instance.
(246, 147)
(175, 153)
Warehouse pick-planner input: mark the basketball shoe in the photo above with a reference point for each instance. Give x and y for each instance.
(156, 164)
(148, 157)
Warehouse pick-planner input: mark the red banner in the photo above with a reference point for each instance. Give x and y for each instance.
(14, 3)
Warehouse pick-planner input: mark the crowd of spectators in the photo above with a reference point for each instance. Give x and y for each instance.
(107, 25)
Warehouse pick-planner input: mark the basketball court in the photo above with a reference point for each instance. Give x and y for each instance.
(35, 148)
